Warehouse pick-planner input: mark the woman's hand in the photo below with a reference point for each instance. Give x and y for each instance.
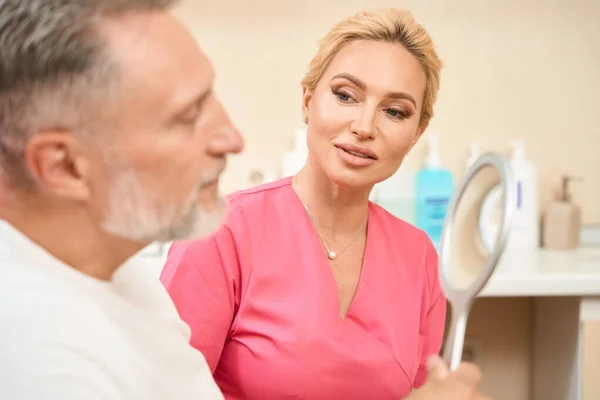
(441, 384)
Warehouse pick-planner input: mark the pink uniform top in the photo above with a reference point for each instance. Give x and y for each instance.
(262, 304)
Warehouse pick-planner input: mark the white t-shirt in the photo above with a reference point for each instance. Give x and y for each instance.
(65, 335)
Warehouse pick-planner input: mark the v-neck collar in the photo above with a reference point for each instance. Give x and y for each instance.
(364, 273)
(323, 259)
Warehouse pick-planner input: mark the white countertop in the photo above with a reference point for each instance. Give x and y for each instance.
(546, 273)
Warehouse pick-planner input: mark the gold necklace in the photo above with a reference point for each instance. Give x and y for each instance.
(330, 254)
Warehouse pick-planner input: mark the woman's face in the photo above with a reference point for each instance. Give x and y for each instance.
(363, 116)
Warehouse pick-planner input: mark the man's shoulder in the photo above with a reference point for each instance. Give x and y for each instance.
(42, 310)
(53, 330)
(39, 308)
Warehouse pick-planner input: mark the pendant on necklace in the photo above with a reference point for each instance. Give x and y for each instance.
(331, 255)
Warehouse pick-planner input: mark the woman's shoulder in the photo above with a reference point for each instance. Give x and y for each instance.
(405, 243)
(395, 225)
(270, 200)
(404, 238)
(260, 192)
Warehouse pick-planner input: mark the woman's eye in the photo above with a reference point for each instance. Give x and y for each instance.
(398, 114)
(343, 97)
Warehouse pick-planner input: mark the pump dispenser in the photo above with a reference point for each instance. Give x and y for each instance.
(434, 189)
(433, 160)
(562, 221)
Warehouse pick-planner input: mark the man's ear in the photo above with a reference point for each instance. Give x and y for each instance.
(306, 99)
(56, 162)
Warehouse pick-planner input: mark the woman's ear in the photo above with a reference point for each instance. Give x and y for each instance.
(306, 99)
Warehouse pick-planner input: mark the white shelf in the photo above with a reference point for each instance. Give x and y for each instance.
(546, 273)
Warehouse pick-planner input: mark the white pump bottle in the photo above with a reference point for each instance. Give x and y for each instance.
(525, 231)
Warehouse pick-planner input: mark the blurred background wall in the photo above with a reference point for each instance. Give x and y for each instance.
(513, 69)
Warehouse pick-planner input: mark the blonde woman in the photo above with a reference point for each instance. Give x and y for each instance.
(310, 291)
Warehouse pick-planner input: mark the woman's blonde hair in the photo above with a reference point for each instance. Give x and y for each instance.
(388, 25)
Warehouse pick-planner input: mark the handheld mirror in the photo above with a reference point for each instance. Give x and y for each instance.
(463, 280)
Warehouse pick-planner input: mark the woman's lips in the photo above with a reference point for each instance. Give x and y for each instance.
(358, 156)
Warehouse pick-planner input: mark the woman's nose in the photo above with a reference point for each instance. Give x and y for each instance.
(364, 125)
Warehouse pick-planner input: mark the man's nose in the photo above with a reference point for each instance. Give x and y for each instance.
(227, 138)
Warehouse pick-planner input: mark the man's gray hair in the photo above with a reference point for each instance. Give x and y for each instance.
(54, 69)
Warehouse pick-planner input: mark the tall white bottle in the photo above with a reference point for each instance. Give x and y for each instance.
(525, 231)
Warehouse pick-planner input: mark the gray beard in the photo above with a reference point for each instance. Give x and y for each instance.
(137, 214)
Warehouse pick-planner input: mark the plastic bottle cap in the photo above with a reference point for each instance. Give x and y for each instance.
(518, 149)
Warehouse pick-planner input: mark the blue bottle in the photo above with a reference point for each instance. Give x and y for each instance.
(434, 190)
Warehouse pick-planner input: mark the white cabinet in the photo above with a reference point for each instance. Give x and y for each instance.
(532, 326)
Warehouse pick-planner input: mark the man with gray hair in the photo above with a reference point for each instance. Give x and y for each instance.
(110, 138)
